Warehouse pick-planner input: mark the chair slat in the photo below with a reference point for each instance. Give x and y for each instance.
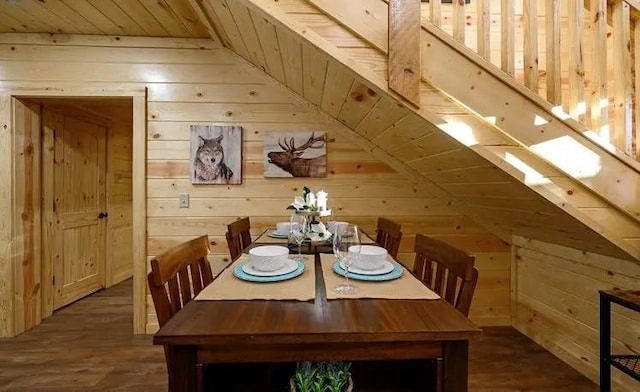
(452, 283)
(185, 285)
(196, 278)
(438, 283)
(174, 294)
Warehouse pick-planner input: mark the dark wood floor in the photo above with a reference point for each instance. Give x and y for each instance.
(88, 346)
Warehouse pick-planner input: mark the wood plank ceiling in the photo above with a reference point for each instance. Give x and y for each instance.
(156, 18)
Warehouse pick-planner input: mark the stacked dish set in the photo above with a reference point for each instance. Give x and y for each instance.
(281, 231)
(372, 264)
(269, 263)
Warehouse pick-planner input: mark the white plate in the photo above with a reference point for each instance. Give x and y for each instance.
(385, 269)
(276, 234)
(289, 266)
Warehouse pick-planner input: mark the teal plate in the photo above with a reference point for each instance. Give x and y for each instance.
(274, 234)
(395, 274)
(240, 274)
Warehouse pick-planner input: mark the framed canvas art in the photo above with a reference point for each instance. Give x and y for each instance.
(295, 154)
(216, 154)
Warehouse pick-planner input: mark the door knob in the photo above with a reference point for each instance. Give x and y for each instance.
(102, 215)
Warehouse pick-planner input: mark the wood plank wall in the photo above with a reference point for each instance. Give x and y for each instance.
(195, 82)
(556, 304)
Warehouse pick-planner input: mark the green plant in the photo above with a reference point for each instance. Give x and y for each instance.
(337, 376)
(321, 376)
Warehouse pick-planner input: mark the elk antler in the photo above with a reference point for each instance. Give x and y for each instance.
(286, 145)
(309, 143)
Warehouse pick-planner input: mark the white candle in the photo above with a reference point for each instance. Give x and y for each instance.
(321, 200)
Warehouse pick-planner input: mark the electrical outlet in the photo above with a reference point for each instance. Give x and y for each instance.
(183, 200)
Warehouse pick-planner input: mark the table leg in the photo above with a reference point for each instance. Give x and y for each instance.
(181, 366)
(456, 366)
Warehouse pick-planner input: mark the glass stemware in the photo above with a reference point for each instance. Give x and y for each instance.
(346, 248)
(298, 231)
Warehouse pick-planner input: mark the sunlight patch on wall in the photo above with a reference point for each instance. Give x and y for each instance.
(570, 156)
(154, 76)
(531, 175)
(461, 132)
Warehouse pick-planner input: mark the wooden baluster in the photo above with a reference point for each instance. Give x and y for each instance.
(458, 20)
(576, 63)
(530, 16)
(636, 85)
(552, 26)
(483, 12)
(507, 12)
(404, 49)
(435, 12)
(621, 132)
(599, 111)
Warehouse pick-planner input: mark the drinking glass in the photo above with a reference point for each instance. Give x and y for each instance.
(346, 248)
(298, 231)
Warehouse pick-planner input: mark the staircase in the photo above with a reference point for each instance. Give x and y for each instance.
(492, 149)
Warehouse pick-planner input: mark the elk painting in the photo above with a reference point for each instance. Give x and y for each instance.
(300, 154)
(216, 154)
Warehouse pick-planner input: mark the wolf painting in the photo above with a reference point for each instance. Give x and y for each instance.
(216, 154)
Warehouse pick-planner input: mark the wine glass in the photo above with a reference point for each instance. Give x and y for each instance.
(298, 231)
(346, 248)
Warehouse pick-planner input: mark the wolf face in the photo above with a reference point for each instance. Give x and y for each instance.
(209, 161)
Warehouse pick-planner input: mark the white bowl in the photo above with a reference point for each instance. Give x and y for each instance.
(283, 228)
(371, 257)
(268, 258)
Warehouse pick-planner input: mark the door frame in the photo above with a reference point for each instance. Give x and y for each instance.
(13, 219)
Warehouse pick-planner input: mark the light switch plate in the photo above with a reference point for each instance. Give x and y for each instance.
(183, 200)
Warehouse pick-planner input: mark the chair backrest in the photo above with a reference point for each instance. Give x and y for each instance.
(447, 270)
(388, 235)
(238, 237)
(178, 275)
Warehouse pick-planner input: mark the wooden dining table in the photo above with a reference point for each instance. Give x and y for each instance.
(244, 331)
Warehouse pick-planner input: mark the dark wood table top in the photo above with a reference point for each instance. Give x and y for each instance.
(318, 321)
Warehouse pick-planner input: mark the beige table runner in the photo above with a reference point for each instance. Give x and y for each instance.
(264, 238)
(228, 287)
(405, 287)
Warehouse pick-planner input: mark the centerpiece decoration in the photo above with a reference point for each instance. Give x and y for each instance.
(313, 205)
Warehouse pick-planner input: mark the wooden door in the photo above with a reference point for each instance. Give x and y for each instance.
(78, 190)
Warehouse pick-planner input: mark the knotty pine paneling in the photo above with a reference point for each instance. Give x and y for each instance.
(187, 85)
(557, 304)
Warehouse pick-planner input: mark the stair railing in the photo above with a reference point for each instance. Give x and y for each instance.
(581, 55)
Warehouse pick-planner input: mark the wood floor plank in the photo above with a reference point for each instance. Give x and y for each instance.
(90, 346)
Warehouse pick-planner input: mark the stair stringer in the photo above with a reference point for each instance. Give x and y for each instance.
(371, 110)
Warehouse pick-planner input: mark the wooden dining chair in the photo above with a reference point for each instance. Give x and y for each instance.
(238, 237)
(388, 235)
(176, 277)
(446, 270)
(450, 272)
